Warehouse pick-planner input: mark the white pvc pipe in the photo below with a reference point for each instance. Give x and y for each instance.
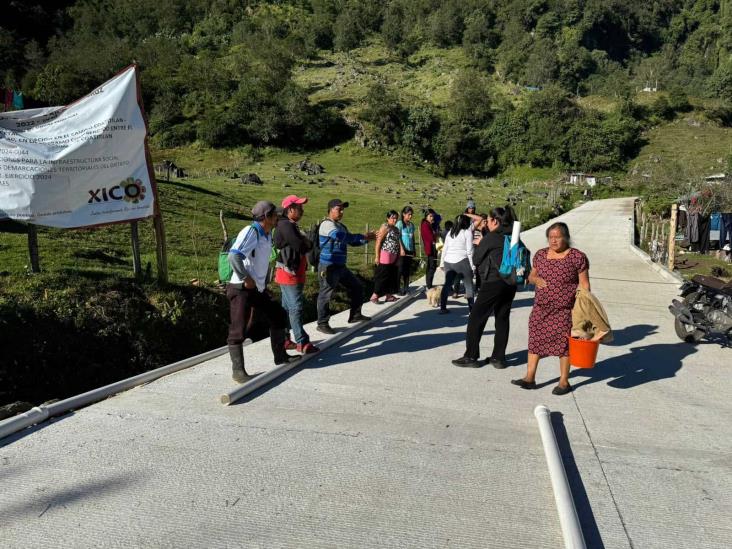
(251, 386)
(42, 413)
(515, 233)
(571, 530)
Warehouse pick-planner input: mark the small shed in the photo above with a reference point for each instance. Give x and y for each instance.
(583, 179)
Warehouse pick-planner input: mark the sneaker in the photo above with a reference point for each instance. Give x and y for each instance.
(325, 329)
(498, 363)
(307, 348)
(358, 317)
(290, 345)
(466, 362)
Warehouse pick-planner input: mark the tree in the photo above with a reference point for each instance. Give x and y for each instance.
(384, 113)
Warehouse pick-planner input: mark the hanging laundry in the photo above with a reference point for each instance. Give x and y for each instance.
(18, 101)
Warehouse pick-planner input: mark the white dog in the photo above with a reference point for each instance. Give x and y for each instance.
(433, 296)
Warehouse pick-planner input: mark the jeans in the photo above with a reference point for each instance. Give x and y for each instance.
(405, 270)
(493, 298)
(725, 229)
(431, 268)
(330, 276)
(292, 301)
(451, 271)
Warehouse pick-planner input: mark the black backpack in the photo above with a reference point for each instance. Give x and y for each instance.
(314, 236)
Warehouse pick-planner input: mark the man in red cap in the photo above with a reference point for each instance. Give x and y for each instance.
(291, 265)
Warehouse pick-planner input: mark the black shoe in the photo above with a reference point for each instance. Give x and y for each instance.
(524, 384)
(558, 390)
(238, 373)
(286, 359)
(443, 312)
(325, 329)
(498, 363)
(466, 362)
(358, 317)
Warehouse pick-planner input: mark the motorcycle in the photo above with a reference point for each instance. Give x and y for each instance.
(705, 308)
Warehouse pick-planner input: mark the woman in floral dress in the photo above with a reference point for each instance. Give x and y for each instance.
(557, 272)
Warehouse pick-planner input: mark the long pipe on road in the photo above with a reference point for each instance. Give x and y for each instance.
(568, 519)
(282, 369)
(43, 412)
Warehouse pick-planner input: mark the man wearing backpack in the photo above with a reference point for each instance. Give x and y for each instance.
(495, 295)
(249, 259)
(334, 239)
(292, 246)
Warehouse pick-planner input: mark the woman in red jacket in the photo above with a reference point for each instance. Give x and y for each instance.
(429, 241)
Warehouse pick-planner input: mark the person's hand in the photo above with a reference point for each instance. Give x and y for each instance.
(540, 282)
(249, 283)
(376, 260)
(402, 253)
(476, 241)
(371, 235)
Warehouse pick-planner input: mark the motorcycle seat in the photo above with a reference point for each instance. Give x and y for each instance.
(714, 283)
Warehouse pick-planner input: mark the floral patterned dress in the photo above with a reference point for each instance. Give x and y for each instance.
(550, 322)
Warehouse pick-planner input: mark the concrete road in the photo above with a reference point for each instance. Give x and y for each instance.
(383, 443)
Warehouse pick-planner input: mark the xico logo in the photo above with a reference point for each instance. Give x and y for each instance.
(130, 190)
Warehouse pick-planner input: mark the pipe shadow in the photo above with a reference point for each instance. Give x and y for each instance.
(15, 437)
(590, 531)
(62, 497)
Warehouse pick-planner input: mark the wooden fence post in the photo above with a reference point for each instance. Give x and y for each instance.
(161, 250)
(33, 248)
(136, 264)
(672, 238)
(366, 249)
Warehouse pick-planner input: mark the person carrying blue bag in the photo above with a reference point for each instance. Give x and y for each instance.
(501, 267)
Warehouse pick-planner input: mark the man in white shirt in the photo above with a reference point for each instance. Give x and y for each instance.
(249, 259)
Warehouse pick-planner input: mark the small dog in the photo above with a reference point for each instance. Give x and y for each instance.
(433, 296)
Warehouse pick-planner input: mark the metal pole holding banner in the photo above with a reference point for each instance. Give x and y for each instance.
(33, 248)
(136, 266)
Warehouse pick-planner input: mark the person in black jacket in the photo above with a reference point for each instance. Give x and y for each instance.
(290, 267)
(495, 295)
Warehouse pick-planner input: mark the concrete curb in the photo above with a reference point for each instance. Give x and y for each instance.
(261, 380)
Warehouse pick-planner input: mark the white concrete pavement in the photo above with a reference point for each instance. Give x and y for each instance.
(383, 443)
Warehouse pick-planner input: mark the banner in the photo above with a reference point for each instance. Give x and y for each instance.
(79, 165)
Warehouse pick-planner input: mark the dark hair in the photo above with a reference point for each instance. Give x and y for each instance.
(562, 228)
(407, 210)
(462, 223)
(448, 225)
(505, 216)
(391, 213)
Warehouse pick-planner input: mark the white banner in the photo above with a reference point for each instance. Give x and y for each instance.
(79, 165)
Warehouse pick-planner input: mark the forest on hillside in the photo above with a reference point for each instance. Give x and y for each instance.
(221, 72)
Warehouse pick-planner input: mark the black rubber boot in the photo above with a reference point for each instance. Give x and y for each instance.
(277, 340)
(238, 373)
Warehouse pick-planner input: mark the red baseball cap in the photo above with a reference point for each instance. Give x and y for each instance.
(293, 199)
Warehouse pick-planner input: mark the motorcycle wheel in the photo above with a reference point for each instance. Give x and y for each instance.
(686, 332)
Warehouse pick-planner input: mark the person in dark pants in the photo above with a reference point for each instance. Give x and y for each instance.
(334, 239)
(429, 241)
(249, 259)
(495, 295)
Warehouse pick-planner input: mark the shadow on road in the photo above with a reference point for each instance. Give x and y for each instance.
(590, 531)
(631, 334)
(642, 365)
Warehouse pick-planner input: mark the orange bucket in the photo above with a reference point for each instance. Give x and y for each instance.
(582, 352)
